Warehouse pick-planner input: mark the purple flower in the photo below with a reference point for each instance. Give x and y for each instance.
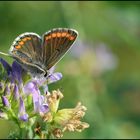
(55, 74)
(38, 99)
(22, 112)
(6, 66)
(43, 106)
(16, 92)
(5, 101)
(54, 77)
(51, 78)
(39, 103)
(17, 72)
(30, 91)
(30, 87)
(14, 72)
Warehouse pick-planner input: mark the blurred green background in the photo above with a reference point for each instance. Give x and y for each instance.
(102, 70)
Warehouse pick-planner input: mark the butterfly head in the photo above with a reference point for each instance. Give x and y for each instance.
(46, 74)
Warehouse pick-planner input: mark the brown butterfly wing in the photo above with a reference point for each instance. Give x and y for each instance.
(26, 49)
(55, 44)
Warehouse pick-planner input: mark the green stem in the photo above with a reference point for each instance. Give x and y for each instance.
(26, 131)
(22, 133)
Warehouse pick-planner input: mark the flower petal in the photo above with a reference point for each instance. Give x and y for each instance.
(22, 112)
(30, 87)
(44, 108)
(54, 77)
(17, 71)
(51, 70)
(16, 92)
(36, 101)
(24, 117)
(5, 101)
(6, 66)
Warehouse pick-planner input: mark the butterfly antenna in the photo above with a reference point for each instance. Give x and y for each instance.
(4, 54)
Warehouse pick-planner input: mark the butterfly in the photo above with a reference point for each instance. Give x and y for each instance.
(39, 54)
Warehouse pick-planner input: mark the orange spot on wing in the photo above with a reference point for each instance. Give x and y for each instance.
(21, 43)
(28, 38)
(71, 38)
(54, 35)
(24, 39)
(18, 47)
(64, 34)
(58, 34)
(68, 35)
(48, 37)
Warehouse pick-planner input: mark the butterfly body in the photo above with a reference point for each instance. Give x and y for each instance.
(38, 54)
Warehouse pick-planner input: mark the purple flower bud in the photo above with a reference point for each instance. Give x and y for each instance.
(5, 101)
(24, 117)
(36, 101)
(6, 66)
(16, 92)
(22, 113)
(54, 77)
(16, 71)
